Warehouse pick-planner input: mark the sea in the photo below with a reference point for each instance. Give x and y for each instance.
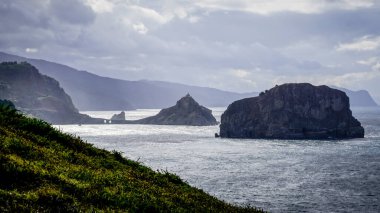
(275, 175)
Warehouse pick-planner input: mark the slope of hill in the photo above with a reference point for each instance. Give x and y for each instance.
(36, 94)
(92, 92)
(44, 170)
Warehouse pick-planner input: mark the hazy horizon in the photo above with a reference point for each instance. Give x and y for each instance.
(240, 46)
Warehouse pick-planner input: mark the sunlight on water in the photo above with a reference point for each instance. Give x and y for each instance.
(279, 176)
(129, 115)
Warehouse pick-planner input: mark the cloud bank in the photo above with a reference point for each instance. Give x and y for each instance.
(233, 45)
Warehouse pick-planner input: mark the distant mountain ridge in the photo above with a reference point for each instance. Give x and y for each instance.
(92, 92)
(360, 98)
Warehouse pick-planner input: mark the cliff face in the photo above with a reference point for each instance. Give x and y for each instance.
(36, 94)
(292, 111)
(186, 112)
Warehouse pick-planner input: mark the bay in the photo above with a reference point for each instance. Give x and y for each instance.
(276, 175)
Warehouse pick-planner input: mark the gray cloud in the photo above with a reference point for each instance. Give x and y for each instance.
(210, 43)
(72, 11)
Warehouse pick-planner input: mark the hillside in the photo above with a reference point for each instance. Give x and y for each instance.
(92, 92)
(37, 95)
(43, 169)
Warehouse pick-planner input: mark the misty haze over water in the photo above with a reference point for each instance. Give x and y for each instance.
(276, 175)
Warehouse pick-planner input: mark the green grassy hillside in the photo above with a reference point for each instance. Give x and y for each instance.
(42, 169)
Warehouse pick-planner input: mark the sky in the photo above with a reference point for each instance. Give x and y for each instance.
(240, 45)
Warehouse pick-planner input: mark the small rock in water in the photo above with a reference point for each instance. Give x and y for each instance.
(118, 117)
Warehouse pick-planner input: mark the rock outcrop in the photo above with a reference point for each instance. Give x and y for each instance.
(38, 95)
(292, 111)
(186, 112)
(118, 117)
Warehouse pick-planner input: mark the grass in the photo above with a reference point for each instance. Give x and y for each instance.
(45, 170)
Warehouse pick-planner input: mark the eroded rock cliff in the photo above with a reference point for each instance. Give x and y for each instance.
(292, 111)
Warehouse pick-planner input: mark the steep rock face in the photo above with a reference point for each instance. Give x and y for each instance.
(186, 112)
(292, 111)
(37, 95)
(118, 117)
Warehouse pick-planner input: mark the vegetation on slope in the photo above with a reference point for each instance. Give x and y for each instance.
(42, 169)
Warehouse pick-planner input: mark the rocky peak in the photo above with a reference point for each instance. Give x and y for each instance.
(187, 103)
(118, 117)
(186, 112)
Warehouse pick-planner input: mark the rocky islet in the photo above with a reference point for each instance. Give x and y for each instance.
(292, 111)
(185, 112)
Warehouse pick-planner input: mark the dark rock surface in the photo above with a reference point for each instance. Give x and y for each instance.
(38, 95)
(118, 117)
(186, 112)
(292, 111)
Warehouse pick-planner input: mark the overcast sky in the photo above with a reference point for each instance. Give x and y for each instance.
(240, 45)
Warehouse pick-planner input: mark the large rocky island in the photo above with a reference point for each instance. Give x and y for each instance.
(292, 111)
(186, 112)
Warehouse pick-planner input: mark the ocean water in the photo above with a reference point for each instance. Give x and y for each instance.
(276, 175)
